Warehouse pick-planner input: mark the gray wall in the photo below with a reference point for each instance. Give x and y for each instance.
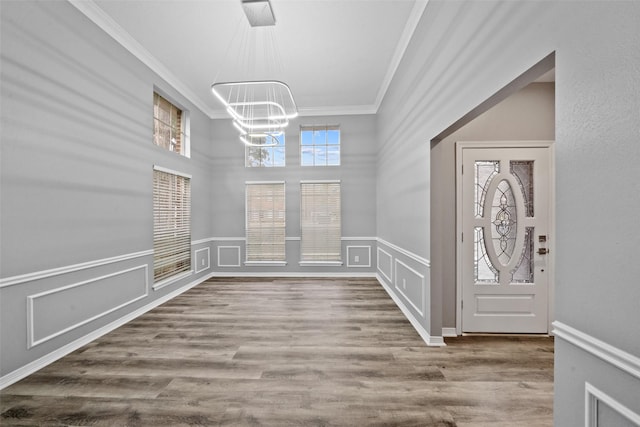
(464, 52)
(356, 173)
(528, 114)
(76, 180)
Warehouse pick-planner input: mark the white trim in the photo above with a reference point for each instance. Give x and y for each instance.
(449, 332)
(359, 265)
(301, 274)
(238, 264)
(320, 263)
(31, 340)
(228, 239)
(401, 291)
(403, 43)
(208, 258)
(38, 275)
(320, 181)
(431, 341)
(47, 359)
(405, 252)
(170, 280)
(201, 241)
(390, 263)
(171, 171)
(99, 17)
(337, 110)
(263, 182)
(265, 263)
(610, 354)
(359, 239)
(592, 396)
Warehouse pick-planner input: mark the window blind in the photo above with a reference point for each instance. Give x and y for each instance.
(320, 221)
(171, 224)
(265, 222)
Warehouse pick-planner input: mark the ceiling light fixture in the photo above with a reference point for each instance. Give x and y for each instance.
(260, 109)
(259, 12)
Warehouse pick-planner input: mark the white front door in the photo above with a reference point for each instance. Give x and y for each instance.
(505, 239)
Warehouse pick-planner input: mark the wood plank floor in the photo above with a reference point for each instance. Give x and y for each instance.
(287, 352)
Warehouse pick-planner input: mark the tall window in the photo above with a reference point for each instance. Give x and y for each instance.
(266, 156)
(320, 145)
(171, 223)
(169, 126)
(320, 221)
(265, 222)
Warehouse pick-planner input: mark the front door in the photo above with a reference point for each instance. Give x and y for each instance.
(505, 239)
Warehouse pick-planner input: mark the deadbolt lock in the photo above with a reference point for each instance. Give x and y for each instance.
(543, 251)
(542, 238)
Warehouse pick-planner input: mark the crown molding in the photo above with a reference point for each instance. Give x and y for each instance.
(410, 27)
(99, 17)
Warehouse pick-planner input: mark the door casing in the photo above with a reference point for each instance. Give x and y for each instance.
(461, 145)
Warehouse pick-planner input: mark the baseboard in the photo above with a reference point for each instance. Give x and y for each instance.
(449, 332)
(300, 274)
(47, 359)
(431, 341)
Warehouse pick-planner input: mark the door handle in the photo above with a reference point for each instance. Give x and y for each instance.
(543, 251)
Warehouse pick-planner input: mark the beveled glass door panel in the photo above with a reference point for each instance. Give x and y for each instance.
(504, 208)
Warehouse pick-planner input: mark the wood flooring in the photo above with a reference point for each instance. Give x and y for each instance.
(286, 352)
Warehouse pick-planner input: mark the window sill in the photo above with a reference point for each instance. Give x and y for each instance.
(169, 280)
(320, 263)
(265, 263)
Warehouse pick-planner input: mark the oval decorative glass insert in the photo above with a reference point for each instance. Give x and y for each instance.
(504, 220)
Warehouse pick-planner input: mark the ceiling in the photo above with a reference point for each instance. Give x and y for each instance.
(338, 56)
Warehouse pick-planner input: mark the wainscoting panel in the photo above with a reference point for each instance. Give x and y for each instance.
(411, 285)
(359, 256)
(229, 256)
(202, 259)
(600, 382)
(602, 410)
(385, 264)
(54, 312)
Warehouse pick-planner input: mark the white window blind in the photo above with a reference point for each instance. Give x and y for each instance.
(320, 221)
(265, 221)
(171, 224)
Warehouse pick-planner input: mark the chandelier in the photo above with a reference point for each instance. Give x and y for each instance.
(260, 109)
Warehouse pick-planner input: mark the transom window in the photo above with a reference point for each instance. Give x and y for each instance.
(320, 145)
(266, 156)
(170, 125)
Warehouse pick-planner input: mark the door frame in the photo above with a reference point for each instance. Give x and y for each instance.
(461, 145)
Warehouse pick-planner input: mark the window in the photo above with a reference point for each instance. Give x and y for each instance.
(266, 156)
(320, 145)
(171, 223)
(265, 222)
(169, 126)
(320, 221)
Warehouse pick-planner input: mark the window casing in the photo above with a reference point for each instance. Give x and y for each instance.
(320, 222)
(265, 222)
(171, 224)
(266, 156)
(320, 145)
(170, 126)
